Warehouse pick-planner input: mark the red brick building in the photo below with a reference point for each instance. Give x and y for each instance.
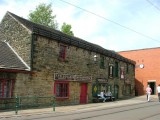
(147, 68)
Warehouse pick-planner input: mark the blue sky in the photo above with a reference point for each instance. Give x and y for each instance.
(113, 24)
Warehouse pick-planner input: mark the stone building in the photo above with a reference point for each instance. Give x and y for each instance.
(70, 68)
(12, 69)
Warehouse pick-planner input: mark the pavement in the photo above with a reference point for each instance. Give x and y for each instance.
(82, 107)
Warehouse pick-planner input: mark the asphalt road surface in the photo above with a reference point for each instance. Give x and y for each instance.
(143, 111)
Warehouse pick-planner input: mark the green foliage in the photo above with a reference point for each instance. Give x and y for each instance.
(66, 28)
(43, 15)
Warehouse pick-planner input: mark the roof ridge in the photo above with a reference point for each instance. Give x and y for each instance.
(139, 49)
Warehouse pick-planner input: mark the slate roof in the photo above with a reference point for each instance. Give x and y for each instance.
(61, 37)
(8, 58)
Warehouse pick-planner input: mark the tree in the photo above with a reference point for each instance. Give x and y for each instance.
(43, 15)
(66, 28)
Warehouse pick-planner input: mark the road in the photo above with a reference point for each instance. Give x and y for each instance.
(143, 111)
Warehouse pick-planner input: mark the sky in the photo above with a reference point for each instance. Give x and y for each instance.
(118, 25)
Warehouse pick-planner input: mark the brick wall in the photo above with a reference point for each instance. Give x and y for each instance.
(150, 73)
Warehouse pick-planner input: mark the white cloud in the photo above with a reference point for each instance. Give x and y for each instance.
(21, 7)
(98, 27)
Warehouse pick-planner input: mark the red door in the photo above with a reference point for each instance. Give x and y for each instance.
(83, 94)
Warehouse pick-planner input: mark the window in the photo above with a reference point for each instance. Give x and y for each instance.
(62, 52)
(110, 74)
(127, 69)
(109, 88)
(116, 69)
(6, 88)
(101, 62)
(61, 89)
(122, 73)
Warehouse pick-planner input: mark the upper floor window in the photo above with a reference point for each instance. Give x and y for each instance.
(116, 69)
(127, 69)
(122, 73)
(102, 62)
(62, 52)
(110, 71)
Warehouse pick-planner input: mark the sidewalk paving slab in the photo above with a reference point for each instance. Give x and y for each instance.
(81, 107)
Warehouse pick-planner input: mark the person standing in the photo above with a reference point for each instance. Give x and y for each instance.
(158, 89)
(148, 91)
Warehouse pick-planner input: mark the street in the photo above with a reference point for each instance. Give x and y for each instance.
(142, 111)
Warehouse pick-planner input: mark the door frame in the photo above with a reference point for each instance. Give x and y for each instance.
(83, 93)
(153, 87)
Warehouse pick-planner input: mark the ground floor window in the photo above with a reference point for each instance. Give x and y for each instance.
(109, 88)
(61, 89)
(6, 88)
(128, 89)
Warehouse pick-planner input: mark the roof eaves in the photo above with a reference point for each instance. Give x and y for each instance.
(59, 36)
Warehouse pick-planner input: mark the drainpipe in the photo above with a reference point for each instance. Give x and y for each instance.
(32, 49)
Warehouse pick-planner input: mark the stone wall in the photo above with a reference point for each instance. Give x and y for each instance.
(78, 61)
(46, 62)
(18, 37)
(23, 85)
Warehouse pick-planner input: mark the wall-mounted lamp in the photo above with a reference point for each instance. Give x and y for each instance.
(95, 58)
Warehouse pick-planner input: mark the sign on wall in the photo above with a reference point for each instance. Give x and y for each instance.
(80, 78)
(102, 80)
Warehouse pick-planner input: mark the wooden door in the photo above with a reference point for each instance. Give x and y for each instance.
(83, 94)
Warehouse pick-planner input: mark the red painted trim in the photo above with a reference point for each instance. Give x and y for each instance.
(15, 71)
(54, 89)
(3, 82)
(0, 88)
(64, 81)
(63, 53)
(83, 93)
(61, 98)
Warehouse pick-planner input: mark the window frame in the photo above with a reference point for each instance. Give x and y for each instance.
(6, 88)
(122, 72)
(116, 69)
(61, 94)
(111, 71)
(62, 52)
(127, 69)
(102, 63)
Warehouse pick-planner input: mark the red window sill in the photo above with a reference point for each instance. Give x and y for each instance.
(62, 98)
